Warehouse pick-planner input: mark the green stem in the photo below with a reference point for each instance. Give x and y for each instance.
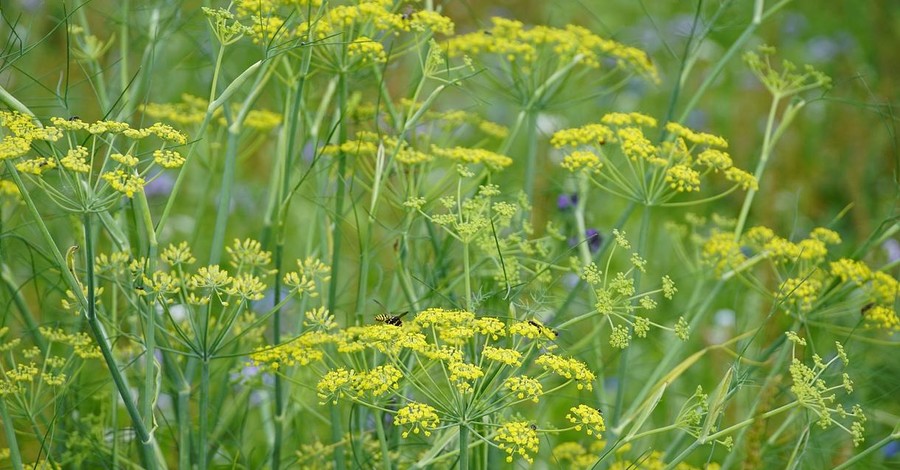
(11, 101)
(467, 277)
(184, 426)
(531, 155)
(580, 208)
(463, 447)
(146, 439)
(738, 45)
(749, 421)
(760, 168)
(10, 430)
(339, 200)
(337, 435)
(228, 176)
(279, 383)
(851, 462)
(204, 414)
(379, 428)
(149, 395)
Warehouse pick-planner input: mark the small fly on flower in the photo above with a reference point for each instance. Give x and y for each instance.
(550, 333)
(387, 318)
(408, 11)
(866, 308)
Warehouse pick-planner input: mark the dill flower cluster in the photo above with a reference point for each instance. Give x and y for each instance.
(814, 394)
(192, 110)
(28, 373)
(360, 28)
(81, 167)
(513, 42)
(443, 368)
(517, 438)
(615, 155)
(617, 300)
(805, 274)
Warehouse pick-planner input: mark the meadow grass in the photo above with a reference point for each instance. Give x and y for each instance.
(418, 234)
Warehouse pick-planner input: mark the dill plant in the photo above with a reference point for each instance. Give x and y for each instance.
(380, 149)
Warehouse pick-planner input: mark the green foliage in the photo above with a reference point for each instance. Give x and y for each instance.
(511, 185)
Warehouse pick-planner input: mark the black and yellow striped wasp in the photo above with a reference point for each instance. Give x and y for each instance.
(387, 318)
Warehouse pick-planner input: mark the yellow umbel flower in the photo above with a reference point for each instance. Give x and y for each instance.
(683, 178)
(168, 158)
(524, 387)
(509, 357)
(587, 418)
(517, 438)
(378, 381)
(367, 50)
(591, 134)
(76, 160)
(463, 373)
(123, 182)
(36, 166)
(423, 418)
(492, 160)
(248, 252)
(695, 137)
(628, 119)
(582, 160)
(569, 368)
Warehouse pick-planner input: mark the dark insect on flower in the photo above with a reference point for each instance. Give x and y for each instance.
(866, 308)
(407, 12)
(393, 320)
(74, 118)
(550, 333)
(533, 427)
(594, 239)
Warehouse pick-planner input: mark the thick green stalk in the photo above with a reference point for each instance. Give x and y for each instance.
(279, 383)
(713, 76)
(276, 219)
(852, 461)
(379, 428)
(337, 435)
(580, 208)
(467, 268)
(337, 238)
(760, 168)
(204, 414)
(230, 90)
(146, 439)
(339, 460)
(531, 145)
(463, 447)
(148, 397)
(14, 456)
(11, 101)
(228, 176)
(184, 426)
